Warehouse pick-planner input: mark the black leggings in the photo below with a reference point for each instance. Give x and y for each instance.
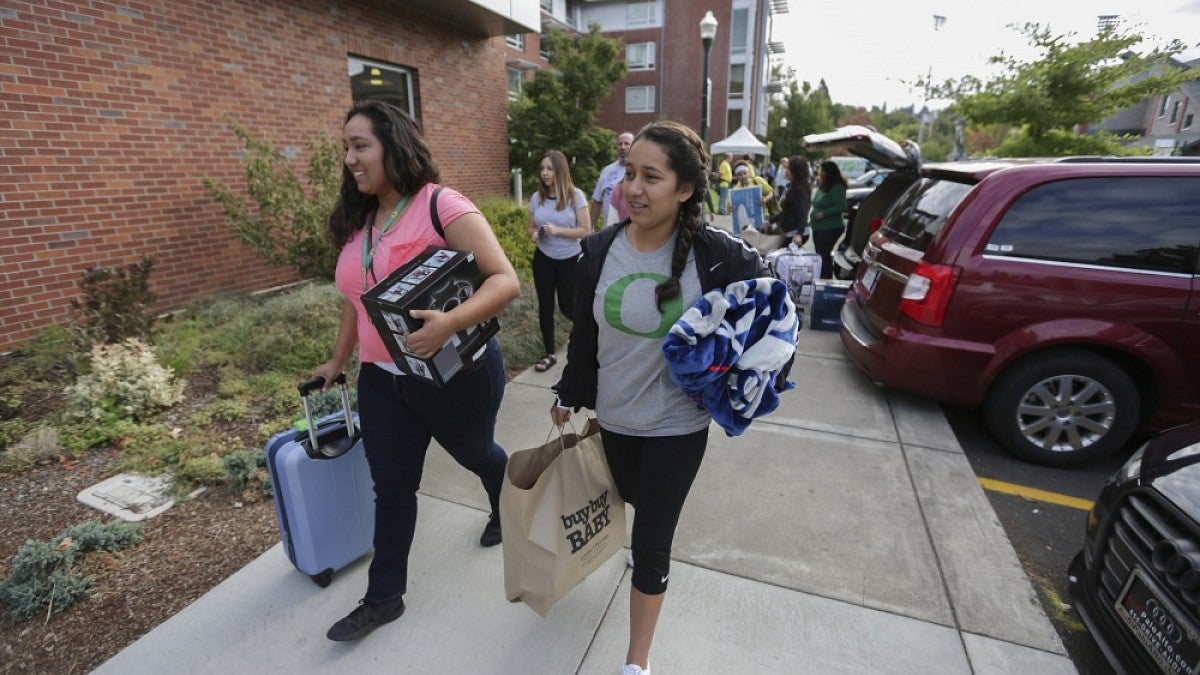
(552, 276)
(654, 474)
(823, 242)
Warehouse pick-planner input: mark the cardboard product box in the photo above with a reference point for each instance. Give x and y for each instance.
(827, 300)
(437, 278)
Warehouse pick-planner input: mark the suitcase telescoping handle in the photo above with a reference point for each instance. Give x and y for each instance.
(309, 386)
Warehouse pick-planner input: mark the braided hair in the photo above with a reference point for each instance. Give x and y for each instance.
(407, 162)
(689, 160)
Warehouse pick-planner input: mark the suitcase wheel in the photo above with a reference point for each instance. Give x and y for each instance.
(323, 578)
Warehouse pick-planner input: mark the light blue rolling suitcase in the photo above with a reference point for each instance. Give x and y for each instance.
(324, 496)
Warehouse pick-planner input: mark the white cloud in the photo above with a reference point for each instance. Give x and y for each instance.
(866, 50)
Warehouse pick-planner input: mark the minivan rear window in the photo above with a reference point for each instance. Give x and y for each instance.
(1130, 222)
(920, 212)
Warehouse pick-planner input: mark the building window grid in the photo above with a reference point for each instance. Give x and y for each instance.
(639, 99)
(1162, 106)
(639, 56)
(1187, 121)
(515, 41)
(737, 80)
(642, 13)
(548, 6)
(1174, 112)
(543, 50)
(738, 39)
(516, 83)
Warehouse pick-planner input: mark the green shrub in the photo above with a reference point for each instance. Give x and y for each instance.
(46, 574)
(508, 221)
(246, 468)
(287, 225)
(79, 434)
(124, 378)
(206, 470)
(116, 303)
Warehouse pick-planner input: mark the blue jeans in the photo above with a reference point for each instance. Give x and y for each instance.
(399, 416)
(723, 198)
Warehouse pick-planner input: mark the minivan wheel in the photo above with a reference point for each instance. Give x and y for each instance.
(1063, 408)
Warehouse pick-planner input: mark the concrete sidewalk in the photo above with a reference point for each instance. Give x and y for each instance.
(846, 533)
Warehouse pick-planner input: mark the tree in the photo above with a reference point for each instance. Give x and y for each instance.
(807, 111)
(558, 108)
(1069, 85)
(288, 226)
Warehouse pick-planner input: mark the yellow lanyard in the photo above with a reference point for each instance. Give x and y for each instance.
(369, 246)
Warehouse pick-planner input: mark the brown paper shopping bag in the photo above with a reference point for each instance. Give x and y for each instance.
(561, 517)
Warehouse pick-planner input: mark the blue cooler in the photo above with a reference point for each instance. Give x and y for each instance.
(828, 298)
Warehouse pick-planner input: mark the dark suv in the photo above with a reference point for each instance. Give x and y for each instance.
(1058, 295)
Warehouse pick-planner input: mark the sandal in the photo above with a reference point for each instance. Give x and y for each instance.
(545, 363)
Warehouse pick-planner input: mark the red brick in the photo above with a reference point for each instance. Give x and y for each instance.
(89, 106)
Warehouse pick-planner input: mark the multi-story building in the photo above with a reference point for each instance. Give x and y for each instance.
(665, 59)
(1166, 123)
(113, 113)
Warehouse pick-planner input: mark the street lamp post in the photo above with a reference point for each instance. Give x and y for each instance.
(708, 31)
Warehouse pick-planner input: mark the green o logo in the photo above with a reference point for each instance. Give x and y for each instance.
(615, 295)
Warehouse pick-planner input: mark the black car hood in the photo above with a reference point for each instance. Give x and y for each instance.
(1171, 466)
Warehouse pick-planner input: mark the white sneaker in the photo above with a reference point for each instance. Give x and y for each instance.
(632, 669)
(629, 558)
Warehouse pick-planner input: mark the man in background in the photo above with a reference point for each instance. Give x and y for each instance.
(602, 211)
(724, 179)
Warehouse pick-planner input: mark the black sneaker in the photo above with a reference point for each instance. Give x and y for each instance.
(491, 532)
(365, 618)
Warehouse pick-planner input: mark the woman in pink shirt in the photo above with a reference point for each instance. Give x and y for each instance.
(381, 221)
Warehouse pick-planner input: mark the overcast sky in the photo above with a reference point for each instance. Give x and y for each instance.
(864, 49)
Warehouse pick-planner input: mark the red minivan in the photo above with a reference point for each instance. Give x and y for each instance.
(1057, 294)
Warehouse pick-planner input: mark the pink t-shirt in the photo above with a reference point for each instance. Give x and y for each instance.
(408, 237)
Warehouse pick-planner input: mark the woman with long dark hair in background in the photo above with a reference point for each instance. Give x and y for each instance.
(828, 216)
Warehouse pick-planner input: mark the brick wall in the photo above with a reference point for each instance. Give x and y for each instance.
(112, 113)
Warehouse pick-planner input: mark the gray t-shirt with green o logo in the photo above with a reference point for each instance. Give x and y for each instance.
(635, 393)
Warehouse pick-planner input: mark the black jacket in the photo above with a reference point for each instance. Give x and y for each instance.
(794, 216)
(721, 259)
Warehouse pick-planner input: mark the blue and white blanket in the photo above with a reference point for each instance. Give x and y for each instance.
(728, 349)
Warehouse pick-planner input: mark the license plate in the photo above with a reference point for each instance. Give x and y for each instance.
(1168, 637)
(870, 277)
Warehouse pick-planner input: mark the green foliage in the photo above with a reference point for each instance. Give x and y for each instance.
(1061, 143)
(47, 575)
(1072, 83)
(244, 469)
(559, 106)
(520, 337)
(206, 470)
(807, 111)
(79, 434)
(508, 222)
(287, 227)
(116, 303)
(288, 332)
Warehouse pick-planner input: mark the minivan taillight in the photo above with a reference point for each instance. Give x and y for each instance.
(928, 292)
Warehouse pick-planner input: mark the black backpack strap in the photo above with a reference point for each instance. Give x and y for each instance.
(433, 214)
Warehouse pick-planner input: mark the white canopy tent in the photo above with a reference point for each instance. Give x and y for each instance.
(742, 141)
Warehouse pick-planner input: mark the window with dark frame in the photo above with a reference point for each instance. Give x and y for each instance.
(1162, 105)
(382, 81)
(1175, 112)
